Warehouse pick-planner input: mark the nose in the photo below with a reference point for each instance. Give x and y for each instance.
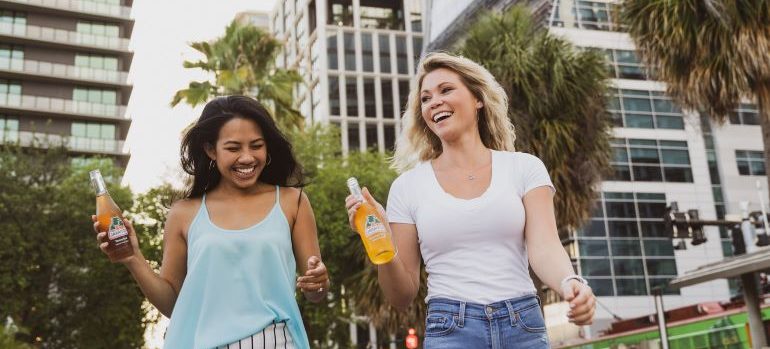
(435, 102)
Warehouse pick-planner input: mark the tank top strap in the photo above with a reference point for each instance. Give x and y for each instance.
(277, 195)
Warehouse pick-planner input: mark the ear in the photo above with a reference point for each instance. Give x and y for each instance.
(210, 151)
(479, 104)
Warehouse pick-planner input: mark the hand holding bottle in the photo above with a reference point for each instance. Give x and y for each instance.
(101, 237)
(367, 217)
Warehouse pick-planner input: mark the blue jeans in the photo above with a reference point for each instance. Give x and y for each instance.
(513, 323)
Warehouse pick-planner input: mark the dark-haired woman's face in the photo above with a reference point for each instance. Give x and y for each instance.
(240, 152)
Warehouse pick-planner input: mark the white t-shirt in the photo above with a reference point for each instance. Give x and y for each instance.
(473, 249)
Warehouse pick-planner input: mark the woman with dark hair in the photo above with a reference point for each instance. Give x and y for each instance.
(232, 247)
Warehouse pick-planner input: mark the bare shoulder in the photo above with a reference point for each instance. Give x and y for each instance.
(292, 195)
(181, 214)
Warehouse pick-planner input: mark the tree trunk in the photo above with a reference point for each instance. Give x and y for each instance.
(763, 104)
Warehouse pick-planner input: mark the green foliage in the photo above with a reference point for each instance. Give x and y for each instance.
(557, 104)
(54, 281)
(243, 63)
(354, 278)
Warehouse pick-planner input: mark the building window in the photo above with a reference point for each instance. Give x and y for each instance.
(340, 12)
(14, 19)
(386, 87)
(403, 92)
(750, 162)
(367, 52)
(649, 160)
(624, 64)
(93, 136)
(401, 55)
(626, 229)
(371, 136)
(417, 48)
(349, 46)
(108, 2)
(384, 42)
(644, 109)
(334, 95)
(594, 15)
(96, 62)
(390, 137)
(351, 96)
(331, 50)
(9, 129)
(95, 95)
(382, 14)
(10, 92)
(415, 16)
(11, 57)
(746, 114)
(98, 29)
(370, 99)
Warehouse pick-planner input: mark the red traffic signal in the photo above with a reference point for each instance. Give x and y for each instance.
(411, 340)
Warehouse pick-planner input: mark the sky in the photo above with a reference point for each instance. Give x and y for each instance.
(162, 32)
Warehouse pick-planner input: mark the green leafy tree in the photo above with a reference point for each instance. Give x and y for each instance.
(243, 62)
(710, 53)
(557, 104)
(55, 283)
(354, 289)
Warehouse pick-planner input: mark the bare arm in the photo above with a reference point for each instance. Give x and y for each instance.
(160, 289)
(314, 278)
(548, 258)
(400, 278)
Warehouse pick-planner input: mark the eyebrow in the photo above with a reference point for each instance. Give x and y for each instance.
(238, 143)
(439, 86)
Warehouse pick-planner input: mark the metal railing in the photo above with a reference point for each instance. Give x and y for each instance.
(91, 7)
(44, 140)
(58, 105)
(65, 71)
(34, 32)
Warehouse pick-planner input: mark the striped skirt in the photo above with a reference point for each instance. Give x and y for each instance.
(274, 336)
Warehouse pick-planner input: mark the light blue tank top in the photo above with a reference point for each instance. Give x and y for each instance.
(238, 282)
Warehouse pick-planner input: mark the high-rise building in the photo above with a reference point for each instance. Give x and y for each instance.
(661, 154)
(258, 19)
(356, 58)
(63, 74)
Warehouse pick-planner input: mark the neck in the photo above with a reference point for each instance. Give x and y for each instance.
(466, 153)
(231, 191)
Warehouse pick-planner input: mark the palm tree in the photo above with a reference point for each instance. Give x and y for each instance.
(557, 104)
(243, 62)
(710, 53)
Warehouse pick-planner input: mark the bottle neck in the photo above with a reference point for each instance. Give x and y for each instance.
(99, 186)
(355, 189)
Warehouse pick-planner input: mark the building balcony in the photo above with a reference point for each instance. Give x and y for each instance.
(63, 37)
(58, 106)
(79, 6)
(63, 71)
(75, 144)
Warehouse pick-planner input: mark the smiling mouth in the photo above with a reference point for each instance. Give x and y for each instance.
(245, 172)
(441, 116)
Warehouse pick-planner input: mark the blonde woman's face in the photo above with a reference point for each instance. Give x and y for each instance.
(448, 107)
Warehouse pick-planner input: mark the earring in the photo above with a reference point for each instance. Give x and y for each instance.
(212, 164)
(268, 160)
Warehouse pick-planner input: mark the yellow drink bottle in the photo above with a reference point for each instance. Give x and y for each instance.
(369, 224)
(110, 220)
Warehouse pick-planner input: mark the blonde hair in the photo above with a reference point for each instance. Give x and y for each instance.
(418, 143)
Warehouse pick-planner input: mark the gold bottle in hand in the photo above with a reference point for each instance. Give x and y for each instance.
(369, 224)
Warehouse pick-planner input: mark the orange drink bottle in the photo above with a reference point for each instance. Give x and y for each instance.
(369, 224)
(110, 219)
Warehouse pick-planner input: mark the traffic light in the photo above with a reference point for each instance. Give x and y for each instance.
(696, 230)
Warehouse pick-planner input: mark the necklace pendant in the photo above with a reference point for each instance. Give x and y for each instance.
(471, 177)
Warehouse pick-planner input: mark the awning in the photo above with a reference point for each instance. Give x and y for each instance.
(726, 268)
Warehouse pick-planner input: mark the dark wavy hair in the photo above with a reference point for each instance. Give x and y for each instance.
(283, 169)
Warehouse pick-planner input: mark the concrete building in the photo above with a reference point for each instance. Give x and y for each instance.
(258, 19)
(661, 154)
(63, 74)
(356, 58)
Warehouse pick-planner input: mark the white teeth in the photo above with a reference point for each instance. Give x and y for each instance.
(442, 115)
(245, 170)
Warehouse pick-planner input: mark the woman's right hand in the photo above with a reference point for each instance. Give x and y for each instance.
(352, 203)
(101, 238)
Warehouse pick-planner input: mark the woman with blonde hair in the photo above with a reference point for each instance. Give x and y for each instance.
(477, 212)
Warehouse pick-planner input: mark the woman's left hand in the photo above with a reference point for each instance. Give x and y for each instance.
(582, 302)
(315, 282)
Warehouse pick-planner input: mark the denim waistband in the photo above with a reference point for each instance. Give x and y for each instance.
(502, 309)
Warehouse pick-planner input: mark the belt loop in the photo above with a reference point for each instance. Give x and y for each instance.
(461, 318)
(511, 313)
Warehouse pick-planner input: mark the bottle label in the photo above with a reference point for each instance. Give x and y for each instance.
(117, 228)
(374, 228)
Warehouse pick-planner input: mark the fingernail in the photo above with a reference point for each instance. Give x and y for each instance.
(571, 305)
(569, 314)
